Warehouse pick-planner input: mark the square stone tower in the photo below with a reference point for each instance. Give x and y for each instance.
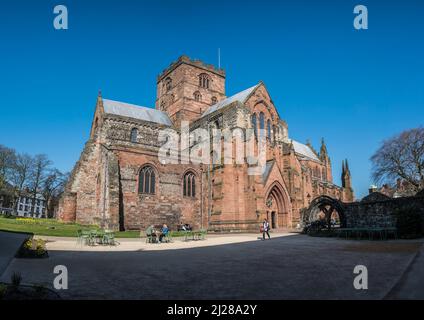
(187, 88)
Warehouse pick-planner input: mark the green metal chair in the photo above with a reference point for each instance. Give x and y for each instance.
(188, 235)
(109, 238)
(167, 237)
(203, 234)
(85, 237)
(93, 237)
(79, 236)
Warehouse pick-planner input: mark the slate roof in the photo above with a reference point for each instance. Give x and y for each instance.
(304, 151)
(136, 112)
(241, 97)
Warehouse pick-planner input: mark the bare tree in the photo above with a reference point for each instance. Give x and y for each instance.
(20, 176)
(401, 157)
(52, 187)
(7, 164)
(38, 175)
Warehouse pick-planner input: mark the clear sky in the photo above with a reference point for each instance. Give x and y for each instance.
(354, 88)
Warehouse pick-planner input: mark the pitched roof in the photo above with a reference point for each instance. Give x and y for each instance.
(304, 151)
(136, 112)
(241, 97)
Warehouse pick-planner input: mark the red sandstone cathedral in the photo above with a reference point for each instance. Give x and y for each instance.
(120, 183)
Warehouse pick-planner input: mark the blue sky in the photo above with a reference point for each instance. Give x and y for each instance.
(354, 88)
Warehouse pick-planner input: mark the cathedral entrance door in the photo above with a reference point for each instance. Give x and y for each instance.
(273, 220)
(275, 202)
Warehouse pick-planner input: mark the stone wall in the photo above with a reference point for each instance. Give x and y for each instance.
(374, 211)
(379, 213)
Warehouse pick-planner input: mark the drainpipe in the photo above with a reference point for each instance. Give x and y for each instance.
(201, 197)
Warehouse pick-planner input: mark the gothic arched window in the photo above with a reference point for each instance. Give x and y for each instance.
(133, 135)
(197, 96)
(189, 185)
(214, 100)
(254, 124)
(268, 128)
(204, 80)
(274, 133)
(261, 121)
(147, 180)
(168, 84)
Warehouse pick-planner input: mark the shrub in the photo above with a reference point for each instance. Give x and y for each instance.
(409, 223)
(33, 248)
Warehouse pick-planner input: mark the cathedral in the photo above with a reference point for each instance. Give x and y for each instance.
(120, 182)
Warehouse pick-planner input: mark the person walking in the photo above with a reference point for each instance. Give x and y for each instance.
(265, 229)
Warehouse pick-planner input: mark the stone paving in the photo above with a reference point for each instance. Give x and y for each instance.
(289, 266)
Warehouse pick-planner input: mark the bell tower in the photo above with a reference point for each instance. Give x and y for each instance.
(187, 88)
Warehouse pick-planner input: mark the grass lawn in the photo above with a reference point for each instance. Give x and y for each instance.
(52, 227)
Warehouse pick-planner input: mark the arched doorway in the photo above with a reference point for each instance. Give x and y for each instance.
(326, 209)
(276, 204)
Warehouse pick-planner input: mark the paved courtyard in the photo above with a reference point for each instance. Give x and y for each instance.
(9, 245)
(289, 266)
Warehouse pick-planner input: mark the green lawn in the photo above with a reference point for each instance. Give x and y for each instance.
(52, 227)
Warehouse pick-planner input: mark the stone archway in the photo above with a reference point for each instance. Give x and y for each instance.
(277, 208)
(326, 208)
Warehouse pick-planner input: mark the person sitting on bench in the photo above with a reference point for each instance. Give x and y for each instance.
(151, 234)
(165, 231)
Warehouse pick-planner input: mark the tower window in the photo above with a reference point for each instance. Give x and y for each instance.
(204, 81)
(168, 84)
(133, 135)
(214, 100)
(197, 96)
(147, 180)
(189, 185)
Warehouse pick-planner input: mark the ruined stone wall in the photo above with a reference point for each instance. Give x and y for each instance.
(79, 202)
(379, 213)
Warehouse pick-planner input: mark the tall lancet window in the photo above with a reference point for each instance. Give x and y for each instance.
(268, 129)
(189, 185)
(261, 121)
(254, 124)
(147, 180)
